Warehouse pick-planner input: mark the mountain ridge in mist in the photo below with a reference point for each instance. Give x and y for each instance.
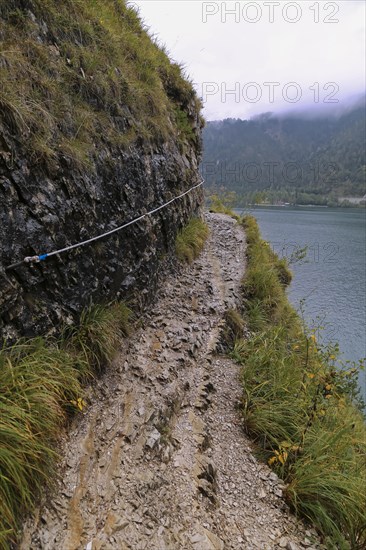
(297, 159)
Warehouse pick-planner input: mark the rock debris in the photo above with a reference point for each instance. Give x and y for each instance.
(160, 461)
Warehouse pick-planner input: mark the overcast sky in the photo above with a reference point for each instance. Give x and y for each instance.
(271, 56)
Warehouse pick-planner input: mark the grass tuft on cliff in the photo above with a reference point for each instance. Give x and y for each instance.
(191, 239)
(41, 385)
(96, 337)
(217, 206)
(79, 76)
(301, 405)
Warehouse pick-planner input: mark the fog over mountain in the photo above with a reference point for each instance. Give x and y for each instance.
(301, 157)
(223, 52)
(320, 110)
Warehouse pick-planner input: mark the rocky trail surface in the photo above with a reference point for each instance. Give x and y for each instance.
(159, 459)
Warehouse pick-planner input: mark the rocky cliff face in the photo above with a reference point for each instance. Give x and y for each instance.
(51, 200)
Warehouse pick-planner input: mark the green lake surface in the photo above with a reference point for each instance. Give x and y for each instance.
(332, 282)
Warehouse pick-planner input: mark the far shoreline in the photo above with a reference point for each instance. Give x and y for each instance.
(291, 206)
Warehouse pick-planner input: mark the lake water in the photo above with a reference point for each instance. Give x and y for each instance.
(332, 282)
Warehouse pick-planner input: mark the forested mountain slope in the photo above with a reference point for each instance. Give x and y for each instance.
(287, 159)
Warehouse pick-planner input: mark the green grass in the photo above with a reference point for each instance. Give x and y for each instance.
(191, 239)
(233, 328)
(218, 206)
(301, 405)
(98, 334)
(41, 385)
(86, 74)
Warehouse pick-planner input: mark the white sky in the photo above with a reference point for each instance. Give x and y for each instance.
(220, 55)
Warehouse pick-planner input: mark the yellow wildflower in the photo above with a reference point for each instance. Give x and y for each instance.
(79, 403)
(282, 457)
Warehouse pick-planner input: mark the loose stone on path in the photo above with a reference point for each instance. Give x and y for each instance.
(159, 460)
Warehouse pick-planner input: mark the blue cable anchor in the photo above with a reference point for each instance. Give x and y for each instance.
(42, 257)
(28, 260)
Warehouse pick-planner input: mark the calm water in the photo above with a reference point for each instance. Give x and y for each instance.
(333, 281)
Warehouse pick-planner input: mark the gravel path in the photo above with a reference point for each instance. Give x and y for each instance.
(159, 460)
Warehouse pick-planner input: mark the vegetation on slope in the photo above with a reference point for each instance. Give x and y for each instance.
(191, 239)
(41, 385)
(219, 206)
(287, 159)
(80, 80)
(300, 406)
(80, 75)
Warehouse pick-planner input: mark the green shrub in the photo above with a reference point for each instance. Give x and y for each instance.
(37, 381)
(234, 326)
(301, 404)
(326, 479)
(98, 333)
(185, 129)
(265, 280)
(218, 206)
(41, 383)
(66, 94)
(191, 239)
(283, 272)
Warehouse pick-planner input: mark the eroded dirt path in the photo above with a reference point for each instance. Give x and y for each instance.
(159, 460)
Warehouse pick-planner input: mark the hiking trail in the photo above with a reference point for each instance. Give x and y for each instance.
(159, 459)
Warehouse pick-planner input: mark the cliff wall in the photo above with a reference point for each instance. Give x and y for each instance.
(97, 126)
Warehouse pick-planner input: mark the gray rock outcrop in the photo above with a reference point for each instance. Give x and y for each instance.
(50, 205)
